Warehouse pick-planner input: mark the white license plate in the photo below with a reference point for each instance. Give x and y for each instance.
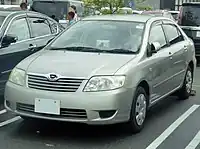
(198, 34)
(47, 106)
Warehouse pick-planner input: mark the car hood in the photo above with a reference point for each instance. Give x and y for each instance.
(75, 64)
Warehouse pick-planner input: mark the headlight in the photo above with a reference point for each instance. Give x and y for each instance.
(104, 83)
(17, 76)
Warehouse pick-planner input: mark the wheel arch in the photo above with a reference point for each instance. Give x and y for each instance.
(144, 84)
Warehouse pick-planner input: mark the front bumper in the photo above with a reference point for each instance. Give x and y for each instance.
(108, 107)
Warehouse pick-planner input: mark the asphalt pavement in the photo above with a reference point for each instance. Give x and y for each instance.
(171, 124)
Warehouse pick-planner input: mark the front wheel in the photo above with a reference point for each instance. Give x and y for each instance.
(185, 91)
(138, 111)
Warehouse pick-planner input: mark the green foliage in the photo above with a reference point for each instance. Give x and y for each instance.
(113, 5)
(89, 11)
(121, 11)
(141, 7)
(106, 11)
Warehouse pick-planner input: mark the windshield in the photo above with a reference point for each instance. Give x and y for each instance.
(101, 36)
(190, 15)
(52, 8)
(1, 20)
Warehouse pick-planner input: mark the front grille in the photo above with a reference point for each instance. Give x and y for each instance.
(61, 85)
(64, 113)
(25, 107)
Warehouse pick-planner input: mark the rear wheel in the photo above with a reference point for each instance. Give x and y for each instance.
(185, 91)
(138, 111)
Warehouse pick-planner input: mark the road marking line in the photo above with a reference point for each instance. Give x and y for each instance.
(10, 121)
(172, 127)
(3, 111)
(194, 142)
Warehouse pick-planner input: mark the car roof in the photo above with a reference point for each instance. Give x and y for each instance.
(12, 13)
(21, 12)
(191, 3)
(5, 13)
(131, 18)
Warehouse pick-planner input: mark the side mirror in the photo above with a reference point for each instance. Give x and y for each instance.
(153, 48)
(8, 39)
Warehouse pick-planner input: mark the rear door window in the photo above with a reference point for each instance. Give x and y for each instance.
(39, 27)
(53, 26)
(190, 15)
(173, 34)
(157, 35)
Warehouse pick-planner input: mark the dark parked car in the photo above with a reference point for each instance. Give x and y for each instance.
(189, 20)
(22, 33)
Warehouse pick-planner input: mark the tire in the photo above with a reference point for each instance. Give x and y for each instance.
(135, 125)
(185, 91)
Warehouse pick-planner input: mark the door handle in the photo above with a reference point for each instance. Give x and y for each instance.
(32, 47)
(170, 56)
(185, 48)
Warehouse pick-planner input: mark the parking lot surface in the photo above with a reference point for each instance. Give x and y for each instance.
(171, 124)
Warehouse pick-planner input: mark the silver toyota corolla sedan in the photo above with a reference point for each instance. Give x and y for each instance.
(104, 70)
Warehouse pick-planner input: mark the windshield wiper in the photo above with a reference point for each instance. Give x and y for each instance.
(125, 51)
(91, 49)
(81, 49)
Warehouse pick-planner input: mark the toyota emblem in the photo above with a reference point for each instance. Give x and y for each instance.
(52, 77)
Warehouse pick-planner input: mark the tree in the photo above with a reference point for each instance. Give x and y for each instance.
(140, 5)
(112, 5)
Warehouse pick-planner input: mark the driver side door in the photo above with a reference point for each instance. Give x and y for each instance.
(13, 53)
(159, 62)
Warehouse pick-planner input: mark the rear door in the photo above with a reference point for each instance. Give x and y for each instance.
(189, 21)
(12, 54)
(179, 51)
